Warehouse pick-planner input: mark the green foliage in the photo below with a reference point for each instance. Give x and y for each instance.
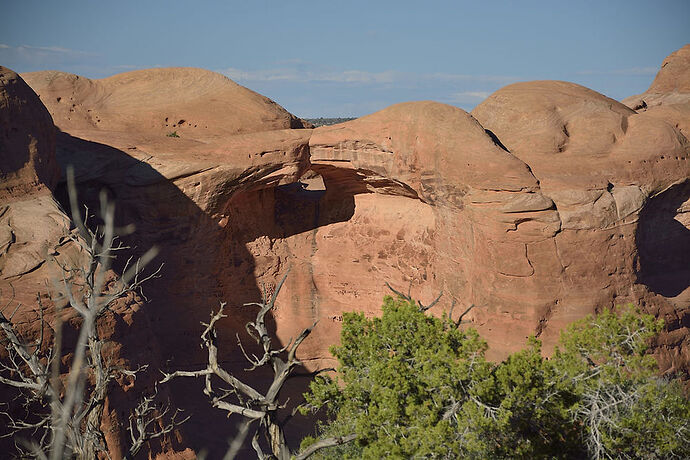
(321, 121)
(411, 385)
(173, 134)
(398, 374)
(622, 407)
(529, 410)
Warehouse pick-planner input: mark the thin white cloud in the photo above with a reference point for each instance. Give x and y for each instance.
(43, 50)
(291, 61)
(633, 71)
(473, 94)
(360, 76)
(125, 67)
(59, 50)
(468, 96)
(298, 75)
(30, 58)
(454, 77)
(259, 75)
(353, 76)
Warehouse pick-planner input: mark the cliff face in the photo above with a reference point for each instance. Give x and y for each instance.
(548, 202)
(30, 221)
(27, 140)
(609, 171)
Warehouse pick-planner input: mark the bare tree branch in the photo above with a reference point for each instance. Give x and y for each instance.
(323, 443)
(238, 440)
(249, 402)
(408, 298)
(146, 423)
(458, 321)
(69, 411)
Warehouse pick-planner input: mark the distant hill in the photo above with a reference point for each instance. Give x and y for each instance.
(326, 121)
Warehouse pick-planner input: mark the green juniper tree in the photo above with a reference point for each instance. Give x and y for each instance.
(621, 406)
(414, 386)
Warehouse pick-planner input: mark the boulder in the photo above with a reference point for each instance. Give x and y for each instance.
(193, 103)
(619, 181)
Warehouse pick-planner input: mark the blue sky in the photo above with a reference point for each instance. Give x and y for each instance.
(350, 58)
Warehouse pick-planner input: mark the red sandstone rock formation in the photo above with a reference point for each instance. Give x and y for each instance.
(27, 140)
(30, 220)
(33, 246)
(671, 84)
(193, 102)
(464, 206)
(609, 172)
(549, 201)
(668, 97)
(667, 217)
(201, 198)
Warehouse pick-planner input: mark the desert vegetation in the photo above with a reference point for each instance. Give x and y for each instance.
(62, 384)
(321, 121)
(410, 385)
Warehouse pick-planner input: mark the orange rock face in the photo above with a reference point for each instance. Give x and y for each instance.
(30, 220)
(469, 203)
(548, 202)
(33, 227)
(27, 140)
(668, 97)
(671, 85)
(193, 102)
(609, 171)
(203, 198)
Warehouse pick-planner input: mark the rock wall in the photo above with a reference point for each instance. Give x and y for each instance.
(27, 140)
(33, 248)
(604, 166)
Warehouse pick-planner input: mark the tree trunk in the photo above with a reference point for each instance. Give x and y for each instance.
(93, 438)
(279, 447)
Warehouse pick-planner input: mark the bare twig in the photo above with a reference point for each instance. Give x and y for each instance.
(323, 443)
(146, 422)
(408, 298)
(70, 409)
(249, 402)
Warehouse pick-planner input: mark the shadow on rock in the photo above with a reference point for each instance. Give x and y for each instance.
(663, 241)
(205, 262)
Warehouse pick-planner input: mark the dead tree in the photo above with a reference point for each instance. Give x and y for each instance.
(243, 399)
(145, 422)
(424, 308)
(70, 406)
